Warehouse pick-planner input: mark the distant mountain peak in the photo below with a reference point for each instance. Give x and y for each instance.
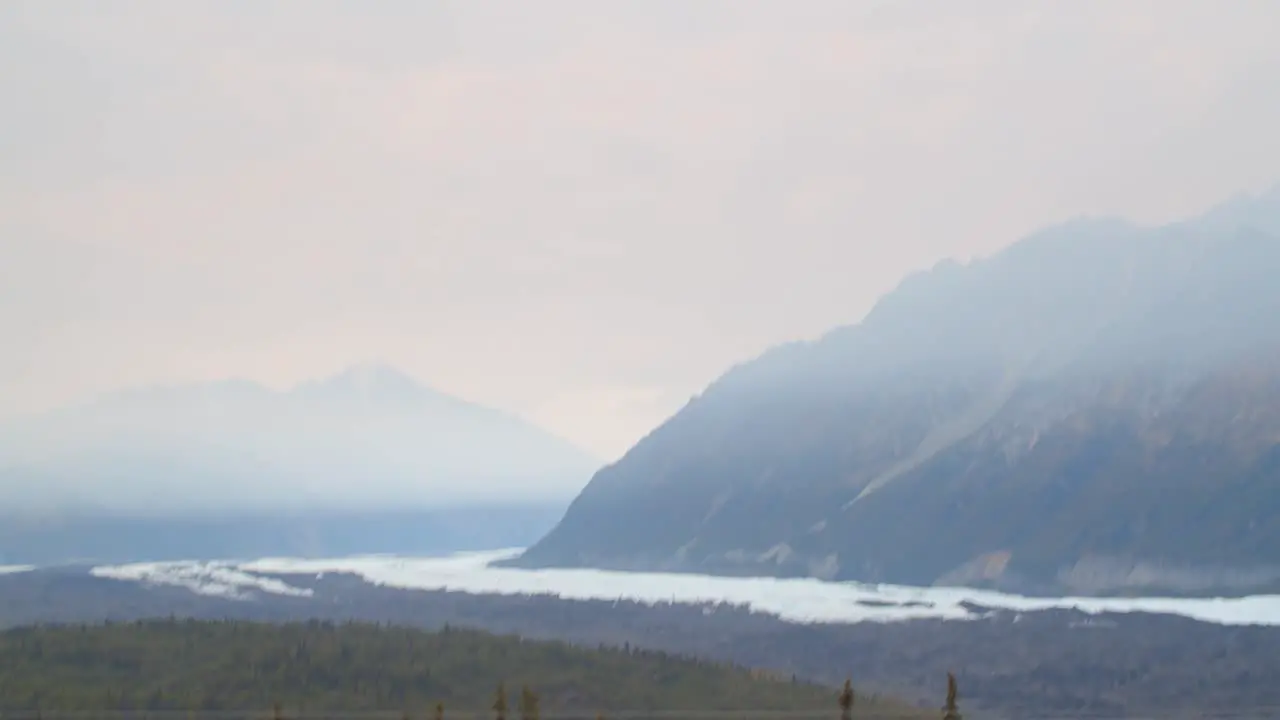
(375, 384)
(369, 435)
(373, 377)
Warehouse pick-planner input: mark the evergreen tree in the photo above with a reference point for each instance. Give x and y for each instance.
(951, 711)
(500, 702)
(847, 699)
(528, 704)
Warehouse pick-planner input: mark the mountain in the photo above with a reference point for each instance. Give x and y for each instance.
(365, 461)
(1095, 409)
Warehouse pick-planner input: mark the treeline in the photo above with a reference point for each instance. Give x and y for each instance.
(303, 668)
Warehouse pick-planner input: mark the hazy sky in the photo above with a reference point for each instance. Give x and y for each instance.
(579, 211)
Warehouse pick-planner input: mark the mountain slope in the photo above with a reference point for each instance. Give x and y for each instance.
(1094, 409)
(366, 461)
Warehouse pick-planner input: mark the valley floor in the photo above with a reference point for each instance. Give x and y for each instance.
(1013, 664)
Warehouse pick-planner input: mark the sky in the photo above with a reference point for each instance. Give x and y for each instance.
(578, 211)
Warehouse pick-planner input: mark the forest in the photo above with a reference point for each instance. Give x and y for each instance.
(318, 666)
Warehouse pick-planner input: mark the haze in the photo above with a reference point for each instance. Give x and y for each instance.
(578, 212)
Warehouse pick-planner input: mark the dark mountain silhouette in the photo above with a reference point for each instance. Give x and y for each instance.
(1095, 409)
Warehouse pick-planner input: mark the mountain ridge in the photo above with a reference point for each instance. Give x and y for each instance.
(1090, 339)
(321, 464)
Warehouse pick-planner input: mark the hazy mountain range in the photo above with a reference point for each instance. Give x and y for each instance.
(365, 461)
(1094, 409)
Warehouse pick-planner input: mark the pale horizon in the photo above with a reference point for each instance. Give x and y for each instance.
(575, 212)
(285, 386)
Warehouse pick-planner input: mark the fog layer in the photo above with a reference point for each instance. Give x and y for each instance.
(578, 210)
(369, 438)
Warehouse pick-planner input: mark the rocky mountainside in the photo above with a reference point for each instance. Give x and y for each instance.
(1095, 409)
(365, 461)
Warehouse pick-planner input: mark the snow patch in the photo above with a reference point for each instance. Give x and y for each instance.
(203, 578)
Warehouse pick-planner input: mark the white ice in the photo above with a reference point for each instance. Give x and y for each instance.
(796, 600)
(214, 579)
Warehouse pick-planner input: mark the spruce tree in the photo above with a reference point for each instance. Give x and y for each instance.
(951, 711)
(528, 704)
(846, 700)
(500, 702)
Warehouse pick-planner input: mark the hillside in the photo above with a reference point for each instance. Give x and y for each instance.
(1095, 409)
(365, 461)
(317, 666)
